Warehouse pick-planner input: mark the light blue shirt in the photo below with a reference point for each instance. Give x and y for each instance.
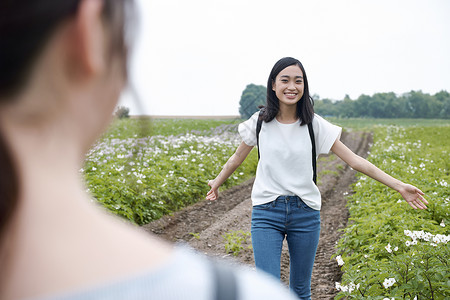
(188, 276)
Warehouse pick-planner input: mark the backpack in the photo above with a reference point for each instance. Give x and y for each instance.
(311, 136)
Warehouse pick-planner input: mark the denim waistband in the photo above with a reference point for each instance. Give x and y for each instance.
(288, 198)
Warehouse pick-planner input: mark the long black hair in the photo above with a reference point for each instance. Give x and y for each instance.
(305, 109)
(25, 28)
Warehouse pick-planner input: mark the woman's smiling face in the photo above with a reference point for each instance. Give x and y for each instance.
(288, 85)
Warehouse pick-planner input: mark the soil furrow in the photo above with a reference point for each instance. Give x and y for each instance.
(204, 224)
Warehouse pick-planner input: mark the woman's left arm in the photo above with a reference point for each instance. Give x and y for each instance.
(412, 195)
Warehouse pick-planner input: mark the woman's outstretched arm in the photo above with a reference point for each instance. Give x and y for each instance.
(232, 164)
(412, 195)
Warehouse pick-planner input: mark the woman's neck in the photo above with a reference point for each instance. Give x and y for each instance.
(50, 205)
(287, 114)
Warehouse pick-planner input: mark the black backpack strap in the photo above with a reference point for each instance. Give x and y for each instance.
(225, 282)
(313, 143)
(258, 128)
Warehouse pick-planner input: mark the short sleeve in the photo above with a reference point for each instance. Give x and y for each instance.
(325, 134)
(247, 130)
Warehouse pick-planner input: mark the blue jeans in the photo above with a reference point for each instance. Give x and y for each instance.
(290, 217)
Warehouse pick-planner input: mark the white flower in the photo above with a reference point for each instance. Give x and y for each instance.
(388, 248)
(443, 238)
(388, 282)
(340, 287)
(347, 288)
(339, 260)
(436, 239)
(351, 287)
(426, 236)
(442, 223)
(399, 201)
(396, 249)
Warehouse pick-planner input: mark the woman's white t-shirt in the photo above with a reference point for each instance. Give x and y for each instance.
(285, 166)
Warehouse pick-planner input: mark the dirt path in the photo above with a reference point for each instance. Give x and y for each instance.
(203, 224)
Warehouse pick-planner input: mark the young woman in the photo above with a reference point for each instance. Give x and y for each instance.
(62, 68)
(286, 201)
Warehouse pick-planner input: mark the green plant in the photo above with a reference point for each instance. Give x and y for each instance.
(389, 249)
(195, 235)
(332, 172)
(234, 241)
(142, 177)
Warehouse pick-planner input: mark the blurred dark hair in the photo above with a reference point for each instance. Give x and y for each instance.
(305, 109)
(25, 28)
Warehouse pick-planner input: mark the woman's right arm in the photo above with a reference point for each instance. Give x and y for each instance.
(232, 164)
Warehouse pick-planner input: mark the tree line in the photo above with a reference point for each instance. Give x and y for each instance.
(414, 104)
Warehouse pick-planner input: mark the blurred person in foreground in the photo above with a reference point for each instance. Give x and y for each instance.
(62, 67)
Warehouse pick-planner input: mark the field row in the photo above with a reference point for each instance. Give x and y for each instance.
(142, 177)
(388, 249)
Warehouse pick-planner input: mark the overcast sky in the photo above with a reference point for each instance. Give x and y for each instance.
(196, 57)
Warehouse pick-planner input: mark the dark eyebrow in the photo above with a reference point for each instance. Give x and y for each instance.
(289, 77)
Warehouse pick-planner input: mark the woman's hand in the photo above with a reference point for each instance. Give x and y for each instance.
(232, 164)
(413, 196)
(213, 194)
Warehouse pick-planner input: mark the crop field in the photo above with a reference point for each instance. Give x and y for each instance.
(388, 249)
(143, 169)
